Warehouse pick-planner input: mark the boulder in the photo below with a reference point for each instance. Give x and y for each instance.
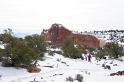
(31, 68)
(117, 73)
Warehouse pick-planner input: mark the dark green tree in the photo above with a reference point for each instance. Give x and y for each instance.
(100, 53)
(37, 43)
(70, 50)
(113, 49)
(6, 37)
(16, 51)
(23, 54)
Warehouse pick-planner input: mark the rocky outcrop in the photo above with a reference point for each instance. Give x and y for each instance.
(31, 68)
(117, 73)
(88, 40)
(101, 42)
(57, 34)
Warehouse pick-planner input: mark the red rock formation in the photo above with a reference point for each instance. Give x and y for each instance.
(57, 34)
(88, 40)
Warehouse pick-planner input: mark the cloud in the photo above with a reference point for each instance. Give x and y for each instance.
(32, 15)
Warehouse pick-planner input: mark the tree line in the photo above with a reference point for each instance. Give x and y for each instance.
(27, 50)
(111, 49)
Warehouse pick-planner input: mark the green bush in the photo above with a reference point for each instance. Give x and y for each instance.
(18, 51)
(71, 51)
(37, 43)
(113, 49)
(100, 53)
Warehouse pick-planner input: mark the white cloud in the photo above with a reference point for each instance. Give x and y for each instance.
(34, 15)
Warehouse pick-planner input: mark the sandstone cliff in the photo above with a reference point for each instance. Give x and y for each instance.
(57, 34)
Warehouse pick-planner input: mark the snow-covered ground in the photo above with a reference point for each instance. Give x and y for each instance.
(61, 68)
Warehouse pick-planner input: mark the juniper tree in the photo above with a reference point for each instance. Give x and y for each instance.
(16, 51)
(113, 49)
(70, 50)
(37, 43)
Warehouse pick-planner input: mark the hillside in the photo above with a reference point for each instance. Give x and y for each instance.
(58, 68)
(55, 67)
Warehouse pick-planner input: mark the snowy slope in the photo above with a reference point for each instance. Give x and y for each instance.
(63, 68)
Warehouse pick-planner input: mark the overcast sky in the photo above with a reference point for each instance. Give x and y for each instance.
(32, 16)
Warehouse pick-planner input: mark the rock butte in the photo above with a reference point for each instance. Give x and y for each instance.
(57, 34)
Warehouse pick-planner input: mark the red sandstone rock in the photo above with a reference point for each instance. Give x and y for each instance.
(57, 34)
(88, 40)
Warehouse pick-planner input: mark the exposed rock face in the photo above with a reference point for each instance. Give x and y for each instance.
(57, 34)
(88, 40)
(102, 42)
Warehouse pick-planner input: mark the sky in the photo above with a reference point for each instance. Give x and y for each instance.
(32, 16)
